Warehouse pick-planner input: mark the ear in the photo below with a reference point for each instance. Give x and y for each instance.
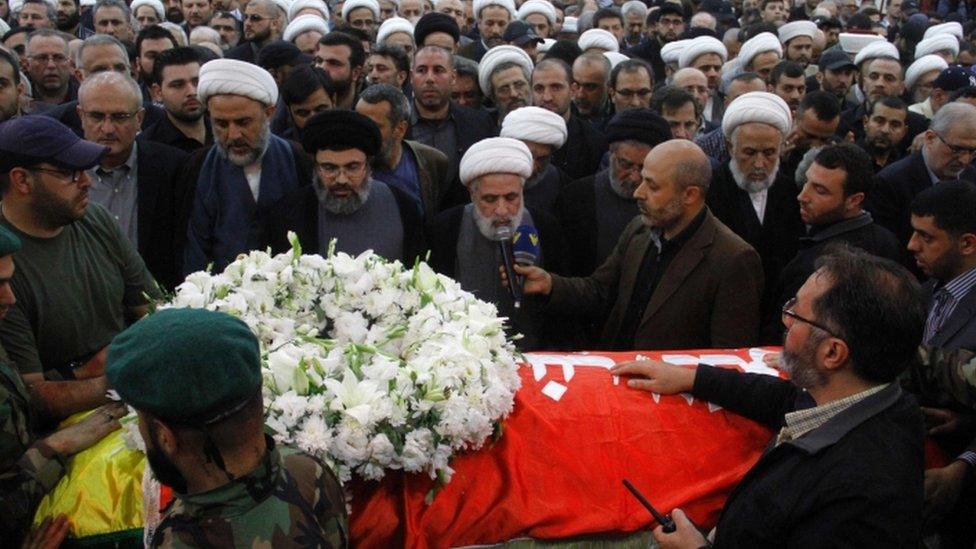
(401, 129)
(834, 354)
(854, 201)
(356, 73)
(166, 439)
(140, 115)
(79, 76)
(269, 111)
(156, 91)
(20, 181)
(967, 244)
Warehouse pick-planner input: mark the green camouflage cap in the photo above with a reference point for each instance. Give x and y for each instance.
(9, 243)
(190, 366)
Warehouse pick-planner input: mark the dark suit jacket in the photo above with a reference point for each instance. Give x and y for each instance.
(891, 199)
(161, 182)
(299, 212)
(708, 297)
(959, 330)
(433, 171)
(584, 148)
(852, 120)
(473, 50)
(243, 52)
(67, 114)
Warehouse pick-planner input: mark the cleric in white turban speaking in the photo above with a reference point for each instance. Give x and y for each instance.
(543, 132)
(749, 193)
(246, 172)
(464, 240)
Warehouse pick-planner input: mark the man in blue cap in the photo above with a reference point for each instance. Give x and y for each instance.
(30, 466)
(194, 377)
(79, 280)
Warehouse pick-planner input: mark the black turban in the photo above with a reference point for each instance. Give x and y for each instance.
(643, 125)
(435, 22)
(340, 130)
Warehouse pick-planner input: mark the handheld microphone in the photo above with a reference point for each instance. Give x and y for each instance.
(503, 235)
(525, 245)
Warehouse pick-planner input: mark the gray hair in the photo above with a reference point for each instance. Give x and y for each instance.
(466, 67)
(953, 115)
(112, 4)
(100, 40)
(113, 79)
(703, 19)
(44, 33)
(399, 106)
(634, 6)
(204, 34)
(178, 33)
(527, 73)
(52, 12)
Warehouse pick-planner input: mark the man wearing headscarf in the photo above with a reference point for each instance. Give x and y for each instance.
(543, 132)
(463, 240)
(749, 193)
(194, 379)
(247, 171)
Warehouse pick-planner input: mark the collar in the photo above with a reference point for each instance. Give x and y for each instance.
(415, 116)
(958, 287)
(826, 232)
(239, 495)
(664, 244)
(128, 165)
(844, 421)
(932, 177)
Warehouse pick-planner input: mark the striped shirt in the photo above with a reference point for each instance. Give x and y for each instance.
(945, 300)
(801, 422)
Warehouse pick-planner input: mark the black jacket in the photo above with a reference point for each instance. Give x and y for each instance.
(890, 201)
(245, 51)
(581, 154)
(856, 481)
(161, 184)
(299, 212)
(852, 120)
(650, 51)
(166, 133)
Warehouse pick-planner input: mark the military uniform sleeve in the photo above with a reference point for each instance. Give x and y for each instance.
(24, 483)
(331, 509)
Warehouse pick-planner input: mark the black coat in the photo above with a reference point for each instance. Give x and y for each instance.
(854, 482)
(242, 52)
(299, 212)
(776, 238)
(852, 120)
(890, 201)
(580, 156)
(166, 133)
(650, 51)
(161, 187)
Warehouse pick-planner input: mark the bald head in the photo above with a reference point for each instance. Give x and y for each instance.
(121, 87)
(684, 162)
(674, 182)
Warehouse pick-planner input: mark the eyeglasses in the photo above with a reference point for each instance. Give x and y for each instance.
(255, 18)
(332, 171)
(788, 313)
(74, 175)
(955, 149)
(44, 59)
(115, 117)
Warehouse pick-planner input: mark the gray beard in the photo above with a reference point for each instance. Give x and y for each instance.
(486, 227)
(345, 205)
(256, 154)
(748, 185)
(618, 188)
(800, 366)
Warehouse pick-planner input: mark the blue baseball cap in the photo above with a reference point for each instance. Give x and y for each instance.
(32, 139)
(953, 78)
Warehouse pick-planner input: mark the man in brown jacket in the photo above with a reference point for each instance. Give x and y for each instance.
(678, 278)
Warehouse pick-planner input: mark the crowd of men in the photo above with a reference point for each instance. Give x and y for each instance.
(696, 174)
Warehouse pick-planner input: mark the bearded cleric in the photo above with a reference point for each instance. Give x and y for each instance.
(463, 240)
(246, 173)
(345, 203)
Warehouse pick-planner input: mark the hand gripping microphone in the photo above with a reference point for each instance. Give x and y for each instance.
(503, 236)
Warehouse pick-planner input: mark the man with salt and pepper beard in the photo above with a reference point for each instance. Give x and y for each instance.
(748, 193)
(246, 173)
(464, 240)
(345, 202)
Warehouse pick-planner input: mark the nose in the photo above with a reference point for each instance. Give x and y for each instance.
(913, 243)
(7, 297)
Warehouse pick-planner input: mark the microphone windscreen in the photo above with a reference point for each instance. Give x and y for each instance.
(525, 245)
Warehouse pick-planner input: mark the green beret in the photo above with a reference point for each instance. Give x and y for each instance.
(190, 366)
(9, 243)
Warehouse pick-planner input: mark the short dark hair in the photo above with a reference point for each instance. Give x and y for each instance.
(968, 92)
(889, 101)
(952, 206)
(357, 57)
(824, 104)
(854, 161)
(385, 93)
(756, 29)
(10, 58)
(303, 82)
(631, 66)
(859, 21)
(557, 63)
(395, 52)
(767, 2)
(672, 98)
(153, 32)
(875, 305)
(607, 13)
(789, 69)
(172, 57)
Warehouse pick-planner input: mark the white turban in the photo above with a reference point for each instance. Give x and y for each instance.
(937, 44)
(82, 3)
(923, 65)
(535, 124)
(496, 155)
(156, 5)
(791, 30)
(570, 24)
(393, 25)
(760, 43)
(4, 29)
(303, 24)
(952, 27)
(498, 55)
(671, 52)
(482, 4)
(284, 6)
(763, 107)
(615, 58)
(853, 43)
(538, 6)
(598, 38)
(233, 77)
(299, 5)
(877, 50)
(371, 5)
(700, 46)
(545, 45)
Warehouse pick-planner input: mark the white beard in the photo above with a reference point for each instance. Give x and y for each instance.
(487, 227)
(749, 185)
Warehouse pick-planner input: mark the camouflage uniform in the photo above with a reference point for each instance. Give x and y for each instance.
(291, 500)
(943, 377)
(27, 472)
